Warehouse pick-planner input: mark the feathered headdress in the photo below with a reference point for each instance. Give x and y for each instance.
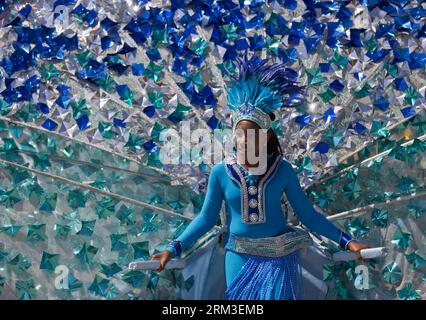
(259, 88)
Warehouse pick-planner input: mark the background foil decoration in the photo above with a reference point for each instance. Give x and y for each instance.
(86, 87)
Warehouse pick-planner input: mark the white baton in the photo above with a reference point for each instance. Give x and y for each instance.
(155, 264)
(369, 253)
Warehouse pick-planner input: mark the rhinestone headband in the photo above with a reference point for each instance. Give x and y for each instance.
(246, 112)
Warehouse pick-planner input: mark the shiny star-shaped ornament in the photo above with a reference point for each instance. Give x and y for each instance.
(416, 260)
(49, 261)
(357, 227)
(409, 293)
(99, 286)
(401, 239)
(379, 217)
(392, 273)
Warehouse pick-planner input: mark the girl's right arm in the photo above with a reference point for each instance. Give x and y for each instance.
(203, 222)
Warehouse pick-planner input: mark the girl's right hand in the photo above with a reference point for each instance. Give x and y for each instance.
(164, 257)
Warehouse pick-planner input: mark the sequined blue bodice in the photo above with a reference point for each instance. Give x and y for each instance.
(253, 203)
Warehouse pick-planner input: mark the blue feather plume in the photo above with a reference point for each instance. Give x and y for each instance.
(252, 93)
(277, 77)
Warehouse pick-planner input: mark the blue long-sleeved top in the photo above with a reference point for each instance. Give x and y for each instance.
(221, 186)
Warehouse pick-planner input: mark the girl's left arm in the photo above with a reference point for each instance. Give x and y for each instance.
(304, 209)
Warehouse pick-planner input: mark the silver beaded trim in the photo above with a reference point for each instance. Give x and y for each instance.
(277, 246)
(253, 203)
(254, 217)
(244, 207)
(230, 161)
(262, 186)
(257, 115)
(261, 217)
(252, 190)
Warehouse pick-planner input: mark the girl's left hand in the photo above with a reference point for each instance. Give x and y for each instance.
(357, 247)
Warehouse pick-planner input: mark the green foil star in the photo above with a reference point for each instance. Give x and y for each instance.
(380, 217)
(49, 261)
(409, 293)
(392, 273)
(401, 239)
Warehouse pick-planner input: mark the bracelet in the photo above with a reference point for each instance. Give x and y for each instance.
(344, 240)
(176, 247)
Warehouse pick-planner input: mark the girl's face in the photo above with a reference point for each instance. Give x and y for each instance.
(249, 140)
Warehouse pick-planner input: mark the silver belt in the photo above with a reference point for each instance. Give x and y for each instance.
(276, 246)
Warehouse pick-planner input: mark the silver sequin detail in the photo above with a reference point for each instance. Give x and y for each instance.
(254, 217)
(256, 115)
(252, 190)
(260, 188)
(276, 246)
(253, 203)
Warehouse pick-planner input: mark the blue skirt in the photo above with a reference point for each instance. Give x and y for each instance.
(268, 278)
